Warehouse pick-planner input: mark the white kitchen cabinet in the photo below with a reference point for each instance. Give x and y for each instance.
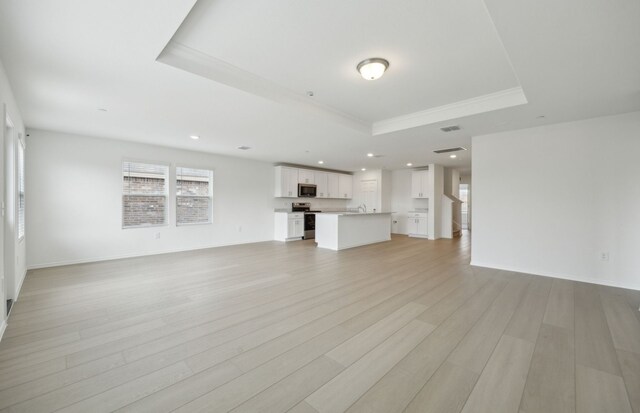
(322, 185)
(333, 185)
(420, 184)
(306, 176)
(346, 186)
(417, 224)
(289, 226)
(286, 182)
(295, 228)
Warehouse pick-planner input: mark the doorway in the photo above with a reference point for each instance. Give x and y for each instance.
(464, 197)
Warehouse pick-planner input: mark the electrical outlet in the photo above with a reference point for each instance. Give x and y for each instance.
(157, 235)
(604, 256)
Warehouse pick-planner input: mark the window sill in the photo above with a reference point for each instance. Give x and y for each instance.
(191, 224)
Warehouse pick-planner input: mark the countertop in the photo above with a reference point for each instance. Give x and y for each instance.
(354, 213)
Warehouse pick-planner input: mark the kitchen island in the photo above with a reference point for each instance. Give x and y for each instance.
(341, 230)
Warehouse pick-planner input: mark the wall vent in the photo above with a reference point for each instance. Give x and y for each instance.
(450, 128)
(447, 150)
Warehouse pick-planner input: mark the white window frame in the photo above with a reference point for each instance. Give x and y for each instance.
(20, 188)
(210, 212)
(166, 192)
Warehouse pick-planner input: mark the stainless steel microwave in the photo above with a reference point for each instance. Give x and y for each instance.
(306, 191)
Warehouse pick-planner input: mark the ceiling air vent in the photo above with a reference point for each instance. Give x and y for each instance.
(450, 128)
(447, 150)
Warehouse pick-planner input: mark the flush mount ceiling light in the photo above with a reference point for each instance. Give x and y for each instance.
(372, 69)
(453, 156)
(363, 169)
(370, 155)
(409, 164)
(194, 137)
(320, 162)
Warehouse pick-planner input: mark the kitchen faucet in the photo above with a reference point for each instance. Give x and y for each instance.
(363, 206)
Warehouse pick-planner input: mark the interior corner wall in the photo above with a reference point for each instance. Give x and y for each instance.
(550, 200)
(74, 198)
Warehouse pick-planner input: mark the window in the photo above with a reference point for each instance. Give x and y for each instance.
(193, 196)
(20, 189)
(144, 195)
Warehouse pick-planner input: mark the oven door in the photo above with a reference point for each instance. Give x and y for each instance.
(306, 191)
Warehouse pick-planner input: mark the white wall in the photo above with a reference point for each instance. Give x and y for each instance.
(74, 191)
(549, 200)
(9, 107)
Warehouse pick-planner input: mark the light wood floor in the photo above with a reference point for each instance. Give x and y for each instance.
(405, 325)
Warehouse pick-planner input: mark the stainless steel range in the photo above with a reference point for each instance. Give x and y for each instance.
(309, 218)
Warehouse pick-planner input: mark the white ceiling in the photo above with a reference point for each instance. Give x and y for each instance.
(245, 67)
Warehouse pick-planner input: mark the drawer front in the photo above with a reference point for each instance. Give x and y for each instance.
(296, 215)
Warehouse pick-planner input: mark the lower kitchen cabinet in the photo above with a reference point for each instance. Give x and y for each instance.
(417, 224)
(288, 226)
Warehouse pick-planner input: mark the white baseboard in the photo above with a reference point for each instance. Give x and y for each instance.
(134, 255)
(570, 277)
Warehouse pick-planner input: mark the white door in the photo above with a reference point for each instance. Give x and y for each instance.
(333, 185)
(305, 176)
(6, 255)
(321, 185)
(416, 184)
(291, 228)
(346, 186)
(369, 193)
(412, 225)
(422, 226)
(291, 181)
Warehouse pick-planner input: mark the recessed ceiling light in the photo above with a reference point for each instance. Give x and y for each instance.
(541, 117)
(370, 155)
(244, 148)
(453, 156)
(409, 164)
(320, 162)
(310, 93)
(194, 137)
(363, 169)
(102, 109)
(372, 69)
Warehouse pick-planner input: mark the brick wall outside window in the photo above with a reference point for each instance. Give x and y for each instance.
(193, 191)
(144, 196)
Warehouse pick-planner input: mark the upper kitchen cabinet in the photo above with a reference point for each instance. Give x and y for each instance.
(328, 184)
(306, 176)
(322, 188)
(420, 184)
(333, 185)
(345, 186)
(286, 182)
